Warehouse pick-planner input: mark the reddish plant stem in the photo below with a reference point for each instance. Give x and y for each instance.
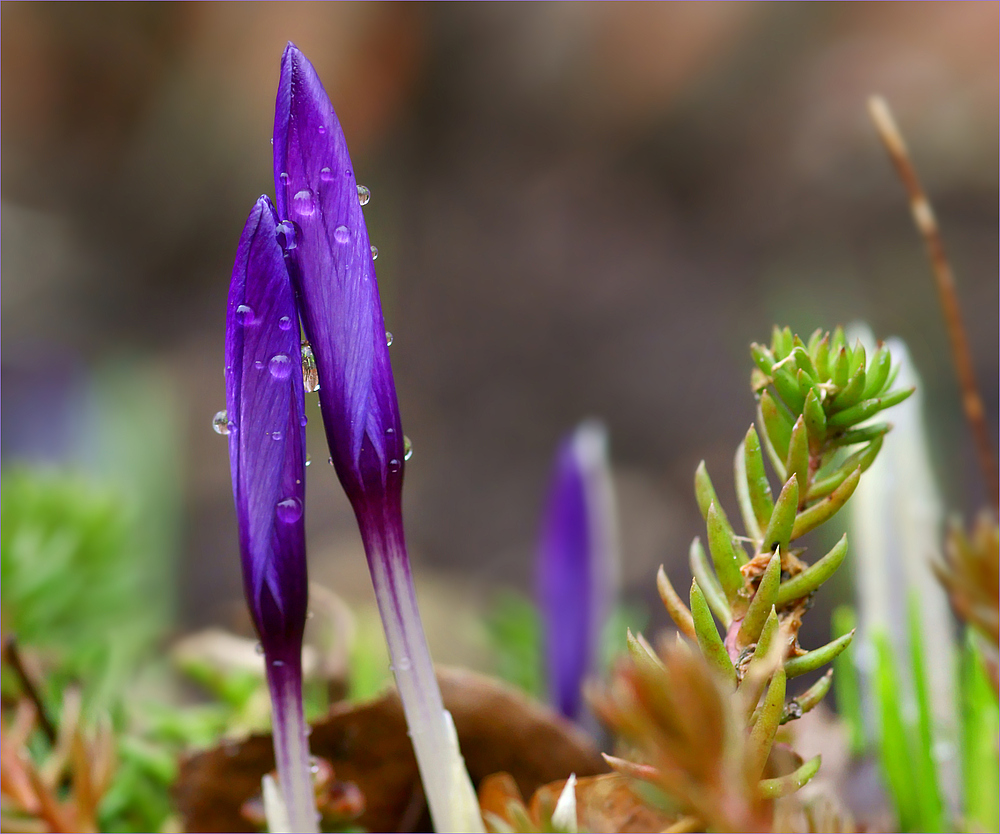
(944, 279)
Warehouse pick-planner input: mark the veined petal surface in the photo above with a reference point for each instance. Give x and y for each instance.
(329, 254)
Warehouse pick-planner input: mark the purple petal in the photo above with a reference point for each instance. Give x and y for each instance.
(577, 565)
(265, 405)
(329, 255)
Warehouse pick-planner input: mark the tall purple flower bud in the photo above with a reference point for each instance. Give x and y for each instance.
(265, 410)
(577, 564)
(331, 262)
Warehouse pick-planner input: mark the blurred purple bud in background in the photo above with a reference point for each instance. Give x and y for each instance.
(576, 575)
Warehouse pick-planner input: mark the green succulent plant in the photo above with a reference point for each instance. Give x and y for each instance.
(815, 399)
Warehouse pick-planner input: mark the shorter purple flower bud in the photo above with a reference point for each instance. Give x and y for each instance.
(266, 418)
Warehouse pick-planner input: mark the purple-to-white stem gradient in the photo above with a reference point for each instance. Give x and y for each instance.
(291, 741)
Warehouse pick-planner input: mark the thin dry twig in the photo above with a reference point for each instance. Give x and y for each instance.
(944, 278)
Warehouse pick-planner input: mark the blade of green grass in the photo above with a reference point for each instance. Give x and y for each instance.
(846, 685)
(980, 724)
(930, 803)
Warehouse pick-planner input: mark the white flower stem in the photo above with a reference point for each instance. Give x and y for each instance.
(446, 782)
(291, 742)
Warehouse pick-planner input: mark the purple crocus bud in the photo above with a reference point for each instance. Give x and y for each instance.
(577, 564)
(330, 259)
(266, 428)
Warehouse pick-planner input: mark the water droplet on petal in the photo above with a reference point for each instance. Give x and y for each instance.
(364, 194)
(220, 422)
(304, 202)
(304, 421)
(276, 435)
(259, 648)
(280, 366)
(309, 460)
(407, 448)
(277, 663)
(404, 664)
(325, 174)
(287, 234)
(341, 234)
(283, 176)
(374, 253)
(259, 364)
(321, 129)
(348, 172)
(388, 338)
(390, 430)
(244, 315)
(285, 323)
(289, 509)
(394, 466)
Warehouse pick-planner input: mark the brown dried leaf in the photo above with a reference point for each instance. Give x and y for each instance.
(499, 729)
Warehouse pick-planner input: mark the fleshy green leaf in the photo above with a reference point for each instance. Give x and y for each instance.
(851, 393)
(812, 577)
(704, 492)
(815, 418)
(756, 478)
(779, 529)
(702, 570)
(862, 459)
(743, 495)
(762, 603)
(708, 635)
(797, 463)
(720, 544)
(811, 517)
(878, 372)
(861, 435)
(784, 785)
(801, 704)
(768, 719)
(867, 408)
(787, 386)
(675, 606)
(811, 661)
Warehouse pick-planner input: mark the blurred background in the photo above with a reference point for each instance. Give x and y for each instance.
(580, 209)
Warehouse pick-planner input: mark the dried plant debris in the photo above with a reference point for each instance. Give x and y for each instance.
(59, 791)
(603, 803)
(684, 737)
(971, 574)
(367, 746)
